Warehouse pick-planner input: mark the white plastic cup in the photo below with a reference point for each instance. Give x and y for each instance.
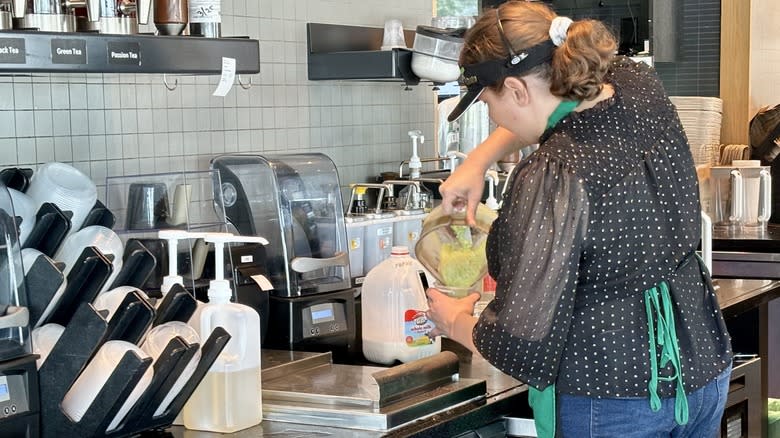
(156, 341)
(110, 300)
(44, 338)
(104, 239)
(393, 36)
(95, 375)
(66, 187)
(25, 208)
(181, 203)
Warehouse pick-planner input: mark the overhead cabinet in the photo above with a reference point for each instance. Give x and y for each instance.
(52, 52)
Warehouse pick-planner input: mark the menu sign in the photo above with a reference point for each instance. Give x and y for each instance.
(12, 51)
(122, 53)
(68, 51)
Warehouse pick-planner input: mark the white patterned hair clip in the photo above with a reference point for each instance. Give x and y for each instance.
(558, 28)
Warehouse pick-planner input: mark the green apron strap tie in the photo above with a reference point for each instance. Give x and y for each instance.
(665, 335)
(543, 404)
(561, 111)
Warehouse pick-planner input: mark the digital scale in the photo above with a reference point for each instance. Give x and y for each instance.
(19, 402)
(322, 322)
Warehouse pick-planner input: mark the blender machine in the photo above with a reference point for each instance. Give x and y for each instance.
(19, 398)
(294, 201)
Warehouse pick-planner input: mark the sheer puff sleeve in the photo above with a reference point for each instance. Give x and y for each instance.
(534, 251)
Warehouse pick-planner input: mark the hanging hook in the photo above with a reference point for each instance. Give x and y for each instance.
(169, 86)
(246, 86)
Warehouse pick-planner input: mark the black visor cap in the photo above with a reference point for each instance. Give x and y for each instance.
(475, 77)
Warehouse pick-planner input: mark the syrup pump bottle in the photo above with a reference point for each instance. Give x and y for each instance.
(228, 397)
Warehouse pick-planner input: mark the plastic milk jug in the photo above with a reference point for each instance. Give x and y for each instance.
(395, 325)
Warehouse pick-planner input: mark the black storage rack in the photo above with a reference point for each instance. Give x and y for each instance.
(339, 52)
(32, 51)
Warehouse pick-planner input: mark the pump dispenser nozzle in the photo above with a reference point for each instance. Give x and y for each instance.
(453, 156)
(414, 162)
(173, 237)
(219, 288)
(491, 201)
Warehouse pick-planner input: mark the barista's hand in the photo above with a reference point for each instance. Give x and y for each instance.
(444, 310)
(463, 189)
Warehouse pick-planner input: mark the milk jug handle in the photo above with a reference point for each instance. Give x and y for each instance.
(765, 195)
(737, 195)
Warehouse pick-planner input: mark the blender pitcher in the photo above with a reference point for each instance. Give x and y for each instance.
(741, 195)
(454, 252)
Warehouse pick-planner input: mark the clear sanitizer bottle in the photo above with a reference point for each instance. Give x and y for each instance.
(395, 325)
(228, 398)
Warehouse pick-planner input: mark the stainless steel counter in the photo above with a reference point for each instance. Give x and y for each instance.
(738, 295)
(505, 395)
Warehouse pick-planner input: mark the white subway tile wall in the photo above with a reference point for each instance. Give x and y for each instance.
(764, 55)
(125, 124)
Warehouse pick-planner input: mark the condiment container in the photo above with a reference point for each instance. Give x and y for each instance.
(436, 53)
(356, 234)
(170, 16)
(378, 239)
(407, 228)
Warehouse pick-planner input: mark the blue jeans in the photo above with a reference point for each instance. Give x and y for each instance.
(585, 417)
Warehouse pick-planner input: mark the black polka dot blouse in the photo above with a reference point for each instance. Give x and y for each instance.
(607, 208)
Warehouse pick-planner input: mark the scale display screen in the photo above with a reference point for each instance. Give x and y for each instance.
(5, 394)
(322, 313)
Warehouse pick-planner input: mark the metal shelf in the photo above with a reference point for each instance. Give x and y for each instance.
(338, 52)
(54, 52)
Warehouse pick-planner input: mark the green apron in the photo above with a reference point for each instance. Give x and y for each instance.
(543, 401)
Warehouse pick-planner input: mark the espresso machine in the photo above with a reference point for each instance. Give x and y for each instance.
(294, 201)
(19, 396)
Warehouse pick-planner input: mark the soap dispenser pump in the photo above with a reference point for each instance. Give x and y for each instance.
(173, 237)
(415, 164)
(491, 202)
(228, 398)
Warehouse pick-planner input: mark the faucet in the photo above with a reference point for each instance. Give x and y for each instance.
(382, 189)
(422, 160)
(415, 191)
(453, 157)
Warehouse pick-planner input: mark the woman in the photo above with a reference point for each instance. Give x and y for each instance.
(602, 305)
